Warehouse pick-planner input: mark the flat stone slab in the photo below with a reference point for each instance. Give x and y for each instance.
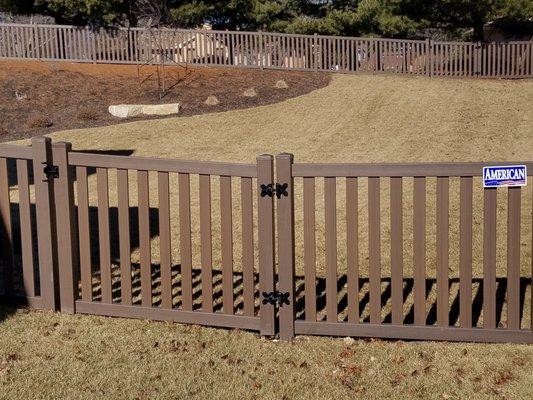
(134, 110)
(161, 109)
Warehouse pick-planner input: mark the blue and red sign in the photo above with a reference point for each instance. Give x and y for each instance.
(505, 175)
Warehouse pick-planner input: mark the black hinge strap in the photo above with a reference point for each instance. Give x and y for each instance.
(267, 190)
(281, 190)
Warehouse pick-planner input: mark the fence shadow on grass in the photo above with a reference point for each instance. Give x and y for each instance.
(408, 284)
(431, 305)
(176, 287)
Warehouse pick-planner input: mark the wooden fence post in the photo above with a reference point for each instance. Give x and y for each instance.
(66, 239)
(285, 219)
(265, 212)
(44, 195)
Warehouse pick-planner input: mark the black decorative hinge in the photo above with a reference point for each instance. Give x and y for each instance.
(280, 189)
(276, 298)
(267, 190)
(51, 171)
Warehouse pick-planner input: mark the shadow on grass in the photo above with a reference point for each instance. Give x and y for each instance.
(342, 305)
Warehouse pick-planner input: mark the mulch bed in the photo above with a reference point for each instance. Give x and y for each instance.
(58, 96)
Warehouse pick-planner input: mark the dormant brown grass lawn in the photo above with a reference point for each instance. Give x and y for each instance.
(354, 119)
(54, 356)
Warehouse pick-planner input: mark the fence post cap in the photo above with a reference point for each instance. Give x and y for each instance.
(61, 145)
(265, 157)
(285, 156)
(40, 139)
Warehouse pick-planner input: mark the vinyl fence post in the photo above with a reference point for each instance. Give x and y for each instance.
(65, 217)
(45, 216)
(429, 58)
(261, 50)
(477, 59)
(265, 212)
(315, 52)
(36, 41)
(93, 45)
(285, 217)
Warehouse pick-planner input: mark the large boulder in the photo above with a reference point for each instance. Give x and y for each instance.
(134, 110)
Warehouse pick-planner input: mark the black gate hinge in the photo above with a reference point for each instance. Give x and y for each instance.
(276, 298)
(280, 189)
(51, 171)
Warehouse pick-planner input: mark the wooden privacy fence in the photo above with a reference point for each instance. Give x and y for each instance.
(267, 50)
(196, 242)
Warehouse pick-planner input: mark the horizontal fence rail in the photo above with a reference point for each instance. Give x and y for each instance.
(267, 50)
(408, 251)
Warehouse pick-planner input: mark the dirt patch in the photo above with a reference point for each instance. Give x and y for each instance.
(69, 95)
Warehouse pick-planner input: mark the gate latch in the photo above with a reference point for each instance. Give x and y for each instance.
(51, 171)
(276, 298)
(280, 189)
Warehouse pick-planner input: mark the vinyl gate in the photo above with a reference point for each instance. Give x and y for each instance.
(113, 253)
(194, 242)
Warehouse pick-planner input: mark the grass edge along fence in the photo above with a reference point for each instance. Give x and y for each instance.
(48, 262)
(267, 50)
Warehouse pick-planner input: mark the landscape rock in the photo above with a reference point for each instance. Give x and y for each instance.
(212, 101)
(281, 84)
(250, 93)
(125, 110)
(134, 110)
(161, 109)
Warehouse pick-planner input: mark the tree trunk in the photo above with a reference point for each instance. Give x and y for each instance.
(479, 33)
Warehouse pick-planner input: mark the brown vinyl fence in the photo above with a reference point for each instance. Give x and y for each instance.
(267, 50)
(361, 249)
